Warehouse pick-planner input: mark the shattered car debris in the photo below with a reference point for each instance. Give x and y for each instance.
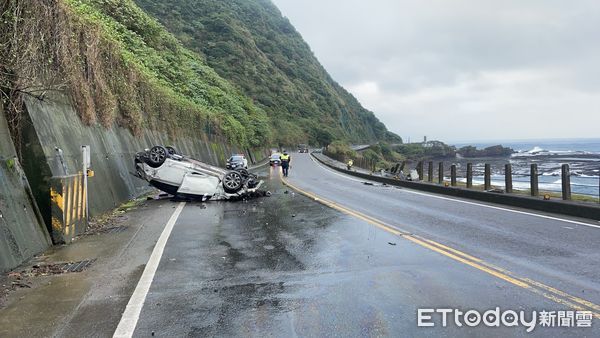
(179, 175)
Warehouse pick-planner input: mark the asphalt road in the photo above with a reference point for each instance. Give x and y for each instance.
(362, 264)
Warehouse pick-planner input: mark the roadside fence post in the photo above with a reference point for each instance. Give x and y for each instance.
(508, 184)
(469, 175)
(534, 180)
(430, 173)
(453, 175)
(487, 181)
(566, 182)
(441, 172)
(420, 170)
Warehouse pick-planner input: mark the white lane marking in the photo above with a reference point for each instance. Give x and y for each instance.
(131, 315)
(335, 172)
(471, 203)
(570, 228)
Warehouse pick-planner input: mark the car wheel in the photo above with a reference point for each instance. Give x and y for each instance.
(233, 181)
(157, 156)
(172, 151)
(243, 172)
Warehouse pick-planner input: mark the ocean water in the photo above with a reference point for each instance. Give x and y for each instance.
(582, 155)
(552, 145)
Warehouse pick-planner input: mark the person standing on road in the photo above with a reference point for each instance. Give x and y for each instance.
(350, 164)
(285, 163)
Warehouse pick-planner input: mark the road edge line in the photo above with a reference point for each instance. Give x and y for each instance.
(131, 315)
(459, 200)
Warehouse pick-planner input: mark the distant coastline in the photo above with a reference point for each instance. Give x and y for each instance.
(582, 155)
(591, 145)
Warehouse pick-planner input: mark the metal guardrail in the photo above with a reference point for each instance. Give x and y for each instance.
(512, 183)
(570, 208)
(509, 184)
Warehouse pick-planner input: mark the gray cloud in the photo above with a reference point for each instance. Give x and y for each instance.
(463, 70)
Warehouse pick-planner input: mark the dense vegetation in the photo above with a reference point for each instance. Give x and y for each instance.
(242, 71)
(438, 150)
(249, 43)
(383, 155)
(120, 65)
(429, 150)
(377, 156)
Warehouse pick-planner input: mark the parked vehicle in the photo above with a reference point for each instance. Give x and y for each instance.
(303, 148)
(275, 159)
(237, 162)
(177, 174)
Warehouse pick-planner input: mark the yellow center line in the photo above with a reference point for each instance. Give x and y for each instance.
(563, 294)
(475, 259)
(457, 255)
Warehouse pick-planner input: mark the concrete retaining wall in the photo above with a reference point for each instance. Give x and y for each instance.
(22, 231)
(53, 143)
(553, 206)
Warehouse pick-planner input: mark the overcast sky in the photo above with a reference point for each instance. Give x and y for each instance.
(463, 70)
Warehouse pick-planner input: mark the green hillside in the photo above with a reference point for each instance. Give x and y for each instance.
(251, 44)
(121, 66)
(235, 69)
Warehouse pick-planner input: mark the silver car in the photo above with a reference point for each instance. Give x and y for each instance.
(179, 175)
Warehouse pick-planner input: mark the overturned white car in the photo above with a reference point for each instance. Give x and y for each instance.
(179, 175)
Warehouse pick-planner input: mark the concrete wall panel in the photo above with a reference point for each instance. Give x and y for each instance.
(22, 231)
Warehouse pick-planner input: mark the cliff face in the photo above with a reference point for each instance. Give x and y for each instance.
(252, 45)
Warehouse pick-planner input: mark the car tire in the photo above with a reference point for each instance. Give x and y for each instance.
(233, 181)
(244, 172)
(157, 156)
(172, 150)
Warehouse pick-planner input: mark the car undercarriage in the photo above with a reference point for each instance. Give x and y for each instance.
(179, 175)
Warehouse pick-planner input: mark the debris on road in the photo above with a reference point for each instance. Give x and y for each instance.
(21, 285)
(391, 243)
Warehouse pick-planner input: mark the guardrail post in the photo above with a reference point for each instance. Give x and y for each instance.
(430, 173)
(469, 175)
(534, 180)
(566, 182)
(441, 172)
(487, 179)
(420, 170)
(453, 175)
(508, 184)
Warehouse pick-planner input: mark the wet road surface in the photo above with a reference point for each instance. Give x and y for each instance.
(289, 266)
